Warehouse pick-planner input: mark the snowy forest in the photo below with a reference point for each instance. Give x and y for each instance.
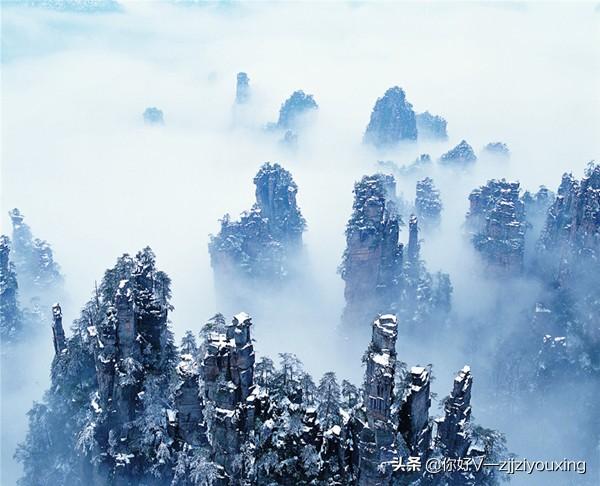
(249, 244)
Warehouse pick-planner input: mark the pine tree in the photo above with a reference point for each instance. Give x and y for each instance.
(349, 394)
(309, 389)
(188, 344)
(264, 372)
(288, 377)
(328, 408)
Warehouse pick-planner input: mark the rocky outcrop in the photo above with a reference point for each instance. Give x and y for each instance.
(568, 259)
(431, 127)
(428, 204)
(242, 88)
(414, 413)
(425, 299)
(263, 245)
(496, 221)
(191, 426)
(228, 376)
(132, 349)
(453, 433)
(132, 413)
(372, 262)
(377, 438)
(153, 116)
(276, 198)
(572, 228)
(460, 156)
(394, 425)
(58, 333)
(380, 273)
(413, 239)
(536, 205)
(392, 120)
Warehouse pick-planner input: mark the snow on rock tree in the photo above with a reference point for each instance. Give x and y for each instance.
(496, 221)
(392, 120)
(263, 245)
(378, 276)
(38, 274)
(125, 408)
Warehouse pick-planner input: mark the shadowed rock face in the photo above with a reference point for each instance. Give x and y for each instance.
(372, 262)
(461, 155)
(431, 127)
(396, 423)
(379, 275)
(573, 224)
(413, 420)
(496, 220)
(569, 253)
(228, 376)
(276, 197)
(265, 240)
(392, 120)
(452, 428)
(58, 332)
(378, 435)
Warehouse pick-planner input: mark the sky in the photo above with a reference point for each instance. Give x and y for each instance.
(96, 182)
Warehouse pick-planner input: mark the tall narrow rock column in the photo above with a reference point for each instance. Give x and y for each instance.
(58, 332)
(376, 445)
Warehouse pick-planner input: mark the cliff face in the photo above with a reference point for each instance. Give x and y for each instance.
(555, 354)
(276, 198)
(536, 205)
(392, 120)
(395, 425)
(263, 244)
(573, 224)
(453, 435)
(376, 444)
(228, 377)
(496, 220)
(132, 349)
(372, 262)
(379, 275)
(425, 298)
(569, 259)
